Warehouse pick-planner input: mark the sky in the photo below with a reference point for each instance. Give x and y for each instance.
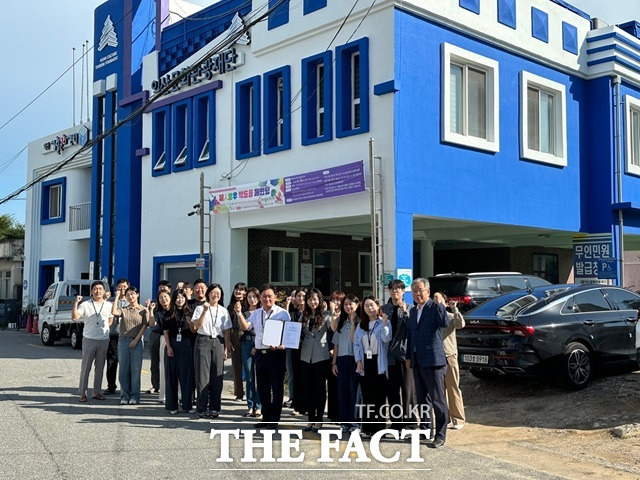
(38, 37)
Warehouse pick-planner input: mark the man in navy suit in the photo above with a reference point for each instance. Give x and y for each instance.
(425, 354)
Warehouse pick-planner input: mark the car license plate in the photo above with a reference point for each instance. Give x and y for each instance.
(475, 359)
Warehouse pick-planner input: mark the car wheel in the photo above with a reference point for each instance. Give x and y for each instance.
(76, 339)
(484, 375)
(47, 335)
(577, 366)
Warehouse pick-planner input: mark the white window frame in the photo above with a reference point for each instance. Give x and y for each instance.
(320, 72)
(58, 204)
(355, 82)
(458, 56)
(279, 111)
(295, 266)
(252, 124)
(558, 90)
(630, 104)
(181, 159)
(361, 281)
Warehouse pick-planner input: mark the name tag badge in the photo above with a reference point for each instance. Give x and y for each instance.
(369, 354)
(179, 337)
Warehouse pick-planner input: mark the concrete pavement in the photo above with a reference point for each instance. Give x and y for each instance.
(47, 433)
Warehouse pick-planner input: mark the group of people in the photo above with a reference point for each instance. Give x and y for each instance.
(368, 362)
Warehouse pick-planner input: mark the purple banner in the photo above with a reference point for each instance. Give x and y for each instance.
(326, 183)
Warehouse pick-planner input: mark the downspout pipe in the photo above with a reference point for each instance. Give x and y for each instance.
(617, 80)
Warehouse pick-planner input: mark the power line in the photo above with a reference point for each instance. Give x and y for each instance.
(243, 163)
(224, 43)
(62, 74)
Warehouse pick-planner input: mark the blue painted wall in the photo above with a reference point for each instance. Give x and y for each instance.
(630, 183)
(434, 178)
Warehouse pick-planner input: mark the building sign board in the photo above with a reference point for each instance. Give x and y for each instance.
(589, 251)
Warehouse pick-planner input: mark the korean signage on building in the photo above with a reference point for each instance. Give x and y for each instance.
(60, 142)
(590, 253)
(326, 183)
(218, 64)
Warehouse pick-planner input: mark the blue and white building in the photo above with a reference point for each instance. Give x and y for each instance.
(504, 131)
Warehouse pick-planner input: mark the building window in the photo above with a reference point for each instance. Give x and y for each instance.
(280, 16)
(283, 266)
(546, 266)
(53, 201)
(365, 276)
(182, 139)
(248, 118)
(204, 129)
(310, 6)
(5, 284)
(160, 141)
(352, 88)
(277, 110)
(470, 99)
(543, 135)
(317, 99)
(632, 133)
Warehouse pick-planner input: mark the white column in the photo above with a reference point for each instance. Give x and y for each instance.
(426, 258)
(229, 248)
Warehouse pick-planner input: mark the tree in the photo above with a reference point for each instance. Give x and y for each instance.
(10, 229)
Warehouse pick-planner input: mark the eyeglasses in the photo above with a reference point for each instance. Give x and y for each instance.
(420, 291)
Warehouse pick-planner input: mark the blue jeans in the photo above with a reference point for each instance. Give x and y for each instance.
(249, 372)
(130, 368)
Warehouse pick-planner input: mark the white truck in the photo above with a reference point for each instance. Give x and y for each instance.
(55, 312)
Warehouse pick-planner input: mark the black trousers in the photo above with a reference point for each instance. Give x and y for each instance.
(270, 370)
(430, 386)
(179, 370)
(373, 397)
(208, 368)
(112, 362)
(154, 353)
(315, 384)
(398, 396)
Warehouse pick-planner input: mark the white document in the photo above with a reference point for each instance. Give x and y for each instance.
(291, 335)
(279, 332)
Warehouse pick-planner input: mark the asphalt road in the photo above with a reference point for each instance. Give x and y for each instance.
(47, 434)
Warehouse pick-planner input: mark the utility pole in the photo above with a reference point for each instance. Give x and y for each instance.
(377, 255)
(201, 217)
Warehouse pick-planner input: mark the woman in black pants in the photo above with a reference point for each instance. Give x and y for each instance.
(178, 357)
(314, 356)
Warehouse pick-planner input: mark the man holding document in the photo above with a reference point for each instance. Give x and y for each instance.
(272, 325)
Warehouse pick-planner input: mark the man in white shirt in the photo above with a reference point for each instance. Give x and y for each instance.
(96, 313)
(270, 360)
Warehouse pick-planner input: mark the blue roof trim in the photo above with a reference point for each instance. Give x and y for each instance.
(617, 37)
(616, 59)
(573, 9)
(626, 206)
(384, 88)
(184, 38)
(615, 48)
(632, 28)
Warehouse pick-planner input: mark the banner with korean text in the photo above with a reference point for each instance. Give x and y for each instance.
(316, 185)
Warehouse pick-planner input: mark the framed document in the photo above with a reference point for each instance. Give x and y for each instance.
(279, 332)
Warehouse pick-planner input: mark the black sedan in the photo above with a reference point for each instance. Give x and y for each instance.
(562, 330)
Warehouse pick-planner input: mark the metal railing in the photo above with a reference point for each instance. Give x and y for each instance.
(80, 217)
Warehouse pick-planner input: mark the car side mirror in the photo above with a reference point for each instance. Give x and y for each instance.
(41, 301)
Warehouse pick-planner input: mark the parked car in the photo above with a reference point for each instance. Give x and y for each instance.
(472, 289)
(55, 312)
(560, 330)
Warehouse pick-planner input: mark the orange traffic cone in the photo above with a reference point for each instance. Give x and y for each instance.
(34, 327)
(29, 324)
